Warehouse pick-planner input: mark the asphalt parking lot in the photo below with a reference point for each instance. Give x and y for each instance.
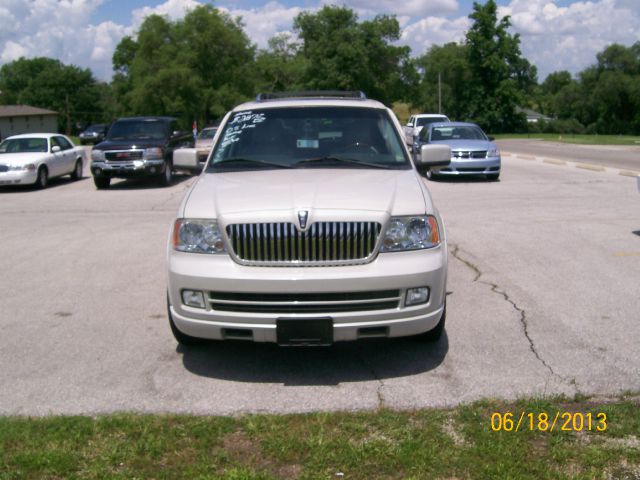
(543, 300)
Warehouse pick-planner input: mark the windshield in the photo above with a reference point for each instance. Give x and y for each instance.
(138, 130)
(23, 145)
(95, 128)
(457, 133)
(422, 121)
(207, 133)
(309, 137)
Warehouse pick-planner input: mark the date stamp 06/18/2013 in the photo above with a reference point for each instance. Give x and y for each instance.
(548, 422)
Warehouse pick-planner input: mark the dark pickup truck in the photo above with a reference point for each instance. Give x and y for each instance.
(138, 147)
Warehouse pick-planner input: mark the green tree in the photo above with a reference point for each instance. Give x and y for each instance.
(42, 82)
(195, 68)
(501, 76)
(282, 66)
(449, 65)
(345, 54)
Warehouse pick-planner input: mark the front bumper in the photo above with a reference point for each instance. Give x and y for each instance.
(485, 166)
(18, 177)
(389, 272)
(128, 169)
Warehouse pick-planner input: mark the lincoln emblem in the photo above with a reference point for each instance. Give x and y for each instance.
(302, 217)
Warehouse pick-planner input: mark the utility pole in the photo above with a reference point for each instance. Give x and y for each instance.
(439, 93)
(68, 116)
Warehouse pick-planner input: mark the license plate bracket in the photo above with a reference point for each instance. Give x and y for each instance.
(304, 331)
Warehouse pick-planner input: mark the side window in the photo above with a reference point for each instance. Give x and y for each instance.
(55, 143)
(173, 127)
(64, 144)
(411, 120)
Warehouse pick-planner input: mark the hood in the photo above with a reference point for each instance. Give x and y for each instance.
(327, 194)
(468, 144)
(21, 158)
(129, 144)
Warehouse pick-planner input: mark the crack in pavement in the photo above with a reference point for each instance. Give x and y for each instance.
(372, 370)
(496, 289)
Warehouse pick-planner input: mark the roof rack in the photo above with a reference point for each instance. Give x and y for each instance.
(358, 95)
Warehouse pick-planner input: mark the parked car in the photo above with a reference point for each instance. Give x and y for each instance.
(309, 225)
(138, 147)
(472, 151)
(93, 134)
(34, 158)
(204, 142)
(417, 122)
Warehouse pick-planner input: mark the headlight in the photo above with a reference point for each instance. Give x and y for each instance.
(152, 154)
(97, 155)
(411, 233)
(493, 153)
(197, 236)
(30, 167)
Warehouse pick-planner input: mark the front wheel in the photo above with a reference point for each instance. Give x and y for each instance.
(42, 180)
(436, 332)
(181, 338)
(167, 176)
(101, 183)
(77, 171)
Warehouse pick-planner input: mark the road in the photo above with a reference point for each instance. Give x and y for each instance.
(611, 156)
(543, 300)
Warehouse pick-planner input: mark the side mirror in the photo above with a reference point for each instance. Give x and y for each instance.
(55, 149)
(434, 156)
(185, 158)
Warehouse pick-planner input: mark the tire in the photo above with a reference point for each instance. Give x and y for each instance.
(493, 177)
(77, 170)
(181, 338)
(432, 176)
(42, 180)
(167, 176)
(102, 183)
(436, 332)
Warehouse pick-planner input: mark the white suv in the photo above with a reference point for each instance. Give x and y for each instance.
(310, 224)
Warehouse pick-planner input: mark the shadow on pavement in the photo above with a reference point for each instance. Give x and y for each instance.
(363, 360)
(144, 183)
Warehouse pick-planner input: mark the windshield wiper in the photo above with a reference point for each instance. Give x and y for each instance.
(241, 160)
(332, 159)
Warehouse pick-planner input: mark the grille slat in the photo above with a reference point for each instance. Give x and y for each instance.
(304, 302)
(322, 243)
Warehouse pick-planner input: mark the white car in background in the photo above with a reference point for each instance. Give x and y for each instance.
(34, 158)
(416, 122)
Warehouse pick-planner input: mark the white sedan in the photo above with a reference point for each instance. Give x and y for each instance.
(34, 158)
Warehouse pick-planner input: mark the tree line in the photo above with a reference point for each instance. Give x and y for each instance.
(202, 65)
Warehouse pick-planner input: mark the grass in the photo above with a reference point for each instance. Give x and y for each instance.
(576, 139)
(446, 443)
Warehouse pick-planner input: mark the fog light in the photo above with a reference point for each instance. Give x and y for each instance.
(193, 298)
(416, 296)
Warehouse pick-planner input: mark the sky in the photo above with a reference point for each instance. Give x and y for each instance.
(555, 34)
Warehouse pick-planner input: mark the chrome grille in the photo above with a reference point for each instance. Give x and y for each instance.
(321, 244)
(469, 154)
(122, 155)
(304, 302)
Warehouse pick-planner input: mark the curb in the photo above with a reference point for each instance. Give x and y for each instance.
(584, 166)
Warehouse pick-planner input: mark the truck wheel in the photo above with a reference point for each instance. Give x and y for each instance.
(101, 183)
(435, 333)
(167, 176)
(181, 338)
